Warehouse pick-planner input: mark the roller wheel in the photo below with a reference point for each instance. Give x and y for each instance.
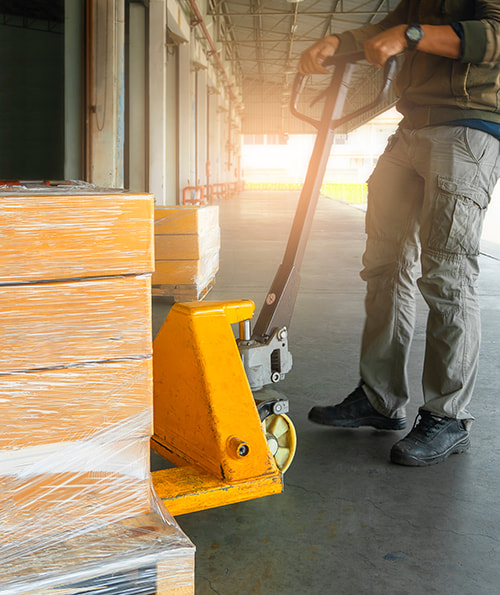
(281, 439)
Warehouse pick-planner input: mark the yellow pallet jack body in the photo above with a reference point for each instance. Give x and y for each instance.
(206, 421)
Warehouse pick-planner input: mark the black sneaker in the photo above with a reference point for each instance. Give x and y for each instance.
(432, 440)
(355, 411)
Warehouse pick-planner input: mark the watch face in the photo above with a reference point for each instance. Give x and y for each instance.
(413, 34)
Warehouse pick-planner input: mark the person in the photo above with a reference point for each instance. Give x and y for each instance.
(427, 198)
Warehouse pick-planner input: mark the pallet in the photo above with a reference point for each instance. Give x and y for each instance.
(142, 555)
(182, 293)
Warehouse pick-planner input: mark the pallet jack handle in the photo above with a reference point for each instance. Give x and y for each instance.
(341, 62)
(277, 310)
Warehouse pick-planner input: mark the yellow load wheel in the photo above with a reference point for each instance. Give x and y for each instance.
(281, 439)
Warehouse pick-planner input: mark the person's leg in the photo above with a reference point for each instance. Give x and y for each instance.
(395, 194)
(460, 166)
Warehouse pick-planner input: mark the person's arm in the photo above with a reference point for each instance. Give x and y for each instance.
(440, 40)
(311, 61)
(482, 35)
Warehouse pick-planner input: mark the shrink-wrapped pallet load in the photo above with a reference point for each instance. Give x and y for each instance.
(187, 245)
(144, 554)
(76, 395)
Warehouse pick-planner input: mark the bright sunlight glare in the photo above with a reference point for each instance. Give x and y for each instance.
(266, 161)
(269, 165)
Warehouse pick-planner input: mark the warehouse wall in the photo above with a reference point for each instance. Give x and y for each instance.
(192, 133)
(123, 93)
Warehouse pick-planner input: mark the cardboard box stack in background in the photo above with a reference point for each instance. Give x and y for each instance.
(187, 245)
(75, 382)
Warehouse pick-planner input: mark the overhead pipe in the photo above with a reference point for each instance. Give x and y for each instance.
(214, 52)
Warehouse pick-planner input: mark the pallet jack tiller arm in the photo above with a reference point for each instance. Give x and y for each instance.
(265, 350)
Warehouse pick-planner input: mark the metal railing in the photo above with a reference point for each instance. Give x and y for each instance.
(208, 193)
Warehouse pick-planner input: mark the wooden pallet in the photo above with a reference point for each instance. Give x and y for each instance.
(142, 555)
(182, 293)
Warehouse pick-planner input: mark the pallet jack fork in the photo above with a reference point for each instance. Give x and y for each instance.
(227, 443)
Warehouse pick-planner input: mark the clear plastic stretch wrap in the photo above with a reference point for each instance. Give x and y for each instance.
(139, 555)
(64, 234)
(187, 246)
(77, 510)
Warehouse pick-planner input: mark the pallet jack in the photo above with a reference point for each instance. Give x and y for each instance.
(216, 419)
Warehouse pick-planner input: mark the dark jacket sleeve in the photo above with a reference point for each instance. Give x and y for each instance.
(482, 35)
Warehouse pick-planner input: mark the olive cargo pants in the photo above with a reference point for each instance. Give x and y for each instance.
(426, 201)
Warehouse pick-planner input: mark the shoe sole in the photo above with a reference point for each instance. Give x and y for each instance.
(401, 458)
(374, 422)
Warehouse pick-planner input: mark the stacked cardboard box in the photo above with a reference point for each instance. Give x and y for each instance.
(76, 395)
(187, 245)
(76, 372)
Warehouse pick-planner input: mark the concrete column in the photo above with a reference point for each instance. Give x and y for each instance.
(157, 100)
(137, 97)
(74, 19)
(202, 129)
(186, 113)
(219, 136)
(172, 157)
(107, 97)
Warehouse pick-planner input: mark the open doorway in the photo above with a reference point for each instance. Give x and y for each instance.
(41, 58)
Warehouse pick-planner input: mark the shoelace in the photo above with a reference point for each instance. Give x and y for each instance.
(426, 423)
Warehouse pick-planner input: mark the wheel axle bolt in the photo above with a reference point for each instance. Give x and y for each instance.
(237, 448)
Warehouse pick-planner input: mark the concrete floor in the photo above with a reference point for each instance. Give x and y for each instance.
(349, 522)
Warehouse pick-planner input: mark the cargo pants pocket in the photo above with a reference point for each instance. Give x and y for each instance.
(457, 217)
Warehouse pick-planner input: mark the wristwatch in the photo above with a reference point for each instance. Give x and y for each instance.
(413, 35)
